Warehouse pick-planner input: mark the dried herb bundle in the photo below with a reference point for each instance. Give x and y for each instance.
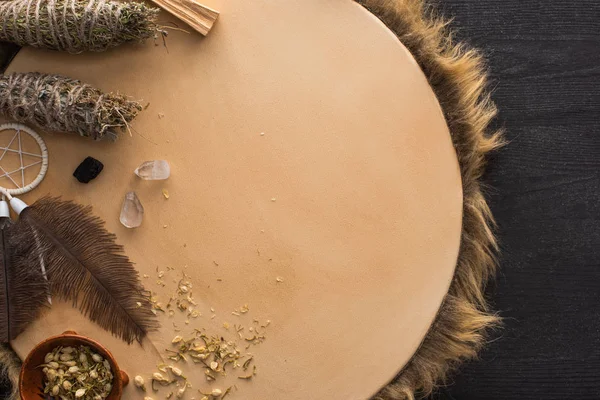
(76, 26)
(57, 103)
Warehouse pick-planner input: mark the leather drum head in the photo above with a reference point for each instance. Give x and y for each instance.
(352, 195)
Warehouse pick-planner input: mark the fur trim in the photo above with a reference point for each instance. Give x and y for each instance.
(10, 367)
(458, 77)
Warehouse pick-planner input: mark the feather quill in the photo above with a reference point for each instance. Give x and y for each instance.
(85, 265)
(23, 289)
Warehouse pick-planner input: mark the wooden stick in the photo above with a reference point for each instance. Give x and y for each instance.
(196, 15)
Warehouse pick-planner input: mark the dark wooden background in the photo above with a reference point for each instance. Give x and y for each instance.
(544, 57)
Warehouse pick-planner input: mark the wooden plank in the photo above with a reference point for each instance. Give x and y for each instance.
(196, 15)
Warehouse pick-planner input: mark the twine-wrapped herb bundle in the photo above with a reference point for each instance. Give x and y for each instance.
(76, 25)
(57, 103)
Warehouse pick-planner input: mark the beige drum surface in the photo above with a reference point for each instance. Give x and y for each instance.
(352, 196)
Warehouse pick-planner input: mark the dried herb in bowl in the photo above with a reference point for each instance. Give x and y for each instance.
(76, 373)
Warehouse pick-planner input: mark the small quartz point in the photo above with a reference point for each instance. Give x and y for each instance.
(132, 211)
(154, 170)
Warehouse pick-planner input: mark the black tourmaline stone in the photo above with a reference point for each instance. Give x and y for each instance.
(88, 170)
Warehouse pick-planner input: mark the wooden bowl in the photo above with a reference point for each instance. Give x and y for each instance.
(31, 377)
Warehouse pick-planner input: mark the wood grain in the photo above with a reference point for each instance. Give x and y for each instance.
(544, 192)
(196, 15)
(544, 189)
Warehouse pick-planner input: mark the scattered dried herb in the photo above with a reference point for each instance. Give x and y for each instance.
(139, 382)
(217, 356)
(226, 393)
(247, 363)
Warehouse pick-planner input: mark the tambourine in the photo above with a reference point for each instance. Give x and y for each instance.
(324, 178)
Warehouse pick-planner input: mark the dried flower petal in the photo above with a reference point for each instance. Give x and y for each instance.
(158, 376)
(177, 339)
(139, 382)
(51, 375)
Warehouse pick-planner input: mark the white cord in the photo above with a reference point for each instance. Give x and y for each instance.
(43, 160)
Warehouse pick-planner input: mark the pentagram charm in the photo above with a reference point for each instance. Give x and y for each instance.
(21, 151)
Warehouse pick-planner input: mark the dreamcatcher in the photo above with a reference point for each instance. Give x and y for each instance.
(59, 248)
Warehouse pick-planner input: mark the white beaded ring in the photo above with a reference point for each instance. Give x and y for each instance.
(43, 159)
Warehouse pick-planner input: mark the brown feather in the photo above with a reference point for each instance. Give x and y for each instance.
(86, 265)
(23, 289)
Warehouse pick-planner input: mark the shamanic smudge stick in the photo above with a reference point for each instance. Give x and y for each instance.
(76, 26)
(58, 103)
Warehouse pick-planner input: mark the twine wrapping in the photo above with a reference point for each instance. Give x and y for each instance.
(57, 103)
(75, 26)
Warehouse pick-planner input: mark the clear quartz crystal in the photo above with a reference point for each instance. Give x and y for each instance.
(153, 170)
(132, 211)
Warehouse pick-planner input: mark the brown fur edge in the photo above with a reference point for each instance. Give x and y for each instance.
(458, 77)
(10, 367)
